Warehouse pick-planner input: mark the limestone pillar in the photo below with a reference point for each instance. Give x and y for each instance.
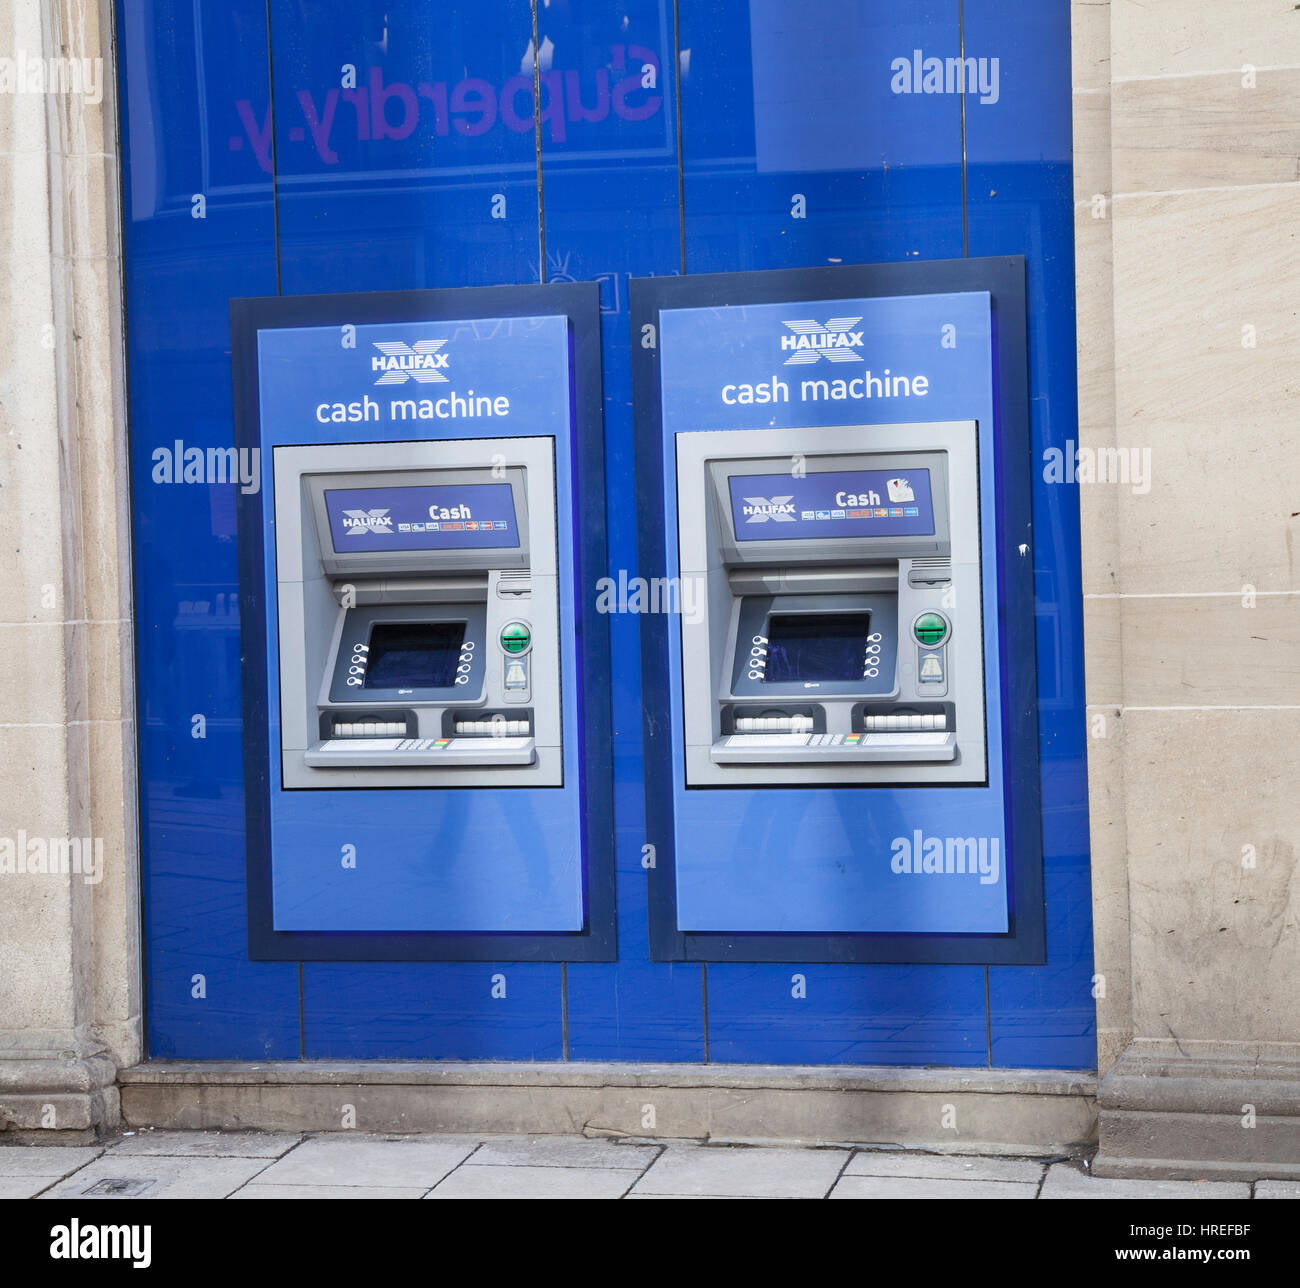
(1188, 258)
(69, 937)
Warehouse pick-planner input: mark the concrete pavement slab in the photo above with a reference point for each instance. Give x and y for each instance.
(251, 1164)
(690, 1198)
(1277, 1189)
(916, 1187)
(24, 1187)
(403, 1162)
(534, 1183)
(561, 1151)
(158, 1178)
(256, 1191)
(211, 1144)
(1066, 1181)
(730, 1171)
(45, 1160)
(951, 1167)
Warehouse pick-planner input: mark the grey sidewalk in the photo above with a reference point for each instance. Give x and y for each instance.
(177, 1164)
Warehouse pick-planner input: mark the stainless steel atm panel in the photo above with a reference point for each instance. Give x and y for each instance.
(835, 624)
(418, 603)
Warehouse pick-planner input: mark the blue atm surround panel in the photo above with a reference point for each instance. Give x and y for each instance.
(424, 730)
(834, 473)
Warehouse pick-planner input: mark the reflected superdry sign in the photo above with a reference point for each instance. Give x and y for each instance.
(366, 109)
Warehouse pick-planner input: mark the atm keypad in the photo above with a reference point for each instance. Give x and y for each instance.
(360, 744)
(768, 740)
(361, 752)
(906, 738)
(895, 736)
(418, 744)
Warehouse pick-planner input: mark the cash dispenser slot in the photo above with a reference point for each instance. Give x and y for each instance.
(755, 718)
(367, 724)
(513, 722)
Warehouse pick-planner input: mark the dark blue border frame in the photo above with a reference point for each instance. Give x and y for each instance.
(580, 303)
(1003, 277)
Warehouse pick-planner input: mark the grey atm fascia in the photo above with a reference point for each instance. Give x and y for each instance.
(895, 578)
(517, 742)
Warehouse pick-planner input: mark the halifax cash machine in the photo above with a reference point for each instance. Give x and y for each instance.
(842, 738)
(839, 632)
(423, 726)
(831, 683)
(426, 774)
(429, 612)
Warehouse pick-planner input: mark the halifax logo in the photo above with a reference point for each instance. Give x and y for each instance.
(402, 362)
(759, 509)
(358, 522)
(833, 340)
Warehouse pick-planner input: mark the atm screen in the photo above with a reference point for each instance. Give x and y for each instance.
(839, 503)
(815, 646)
(413, 655)
(459, 516)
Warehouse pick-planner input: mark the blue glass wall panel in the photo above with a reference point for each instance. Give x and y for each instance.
(383, 146)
